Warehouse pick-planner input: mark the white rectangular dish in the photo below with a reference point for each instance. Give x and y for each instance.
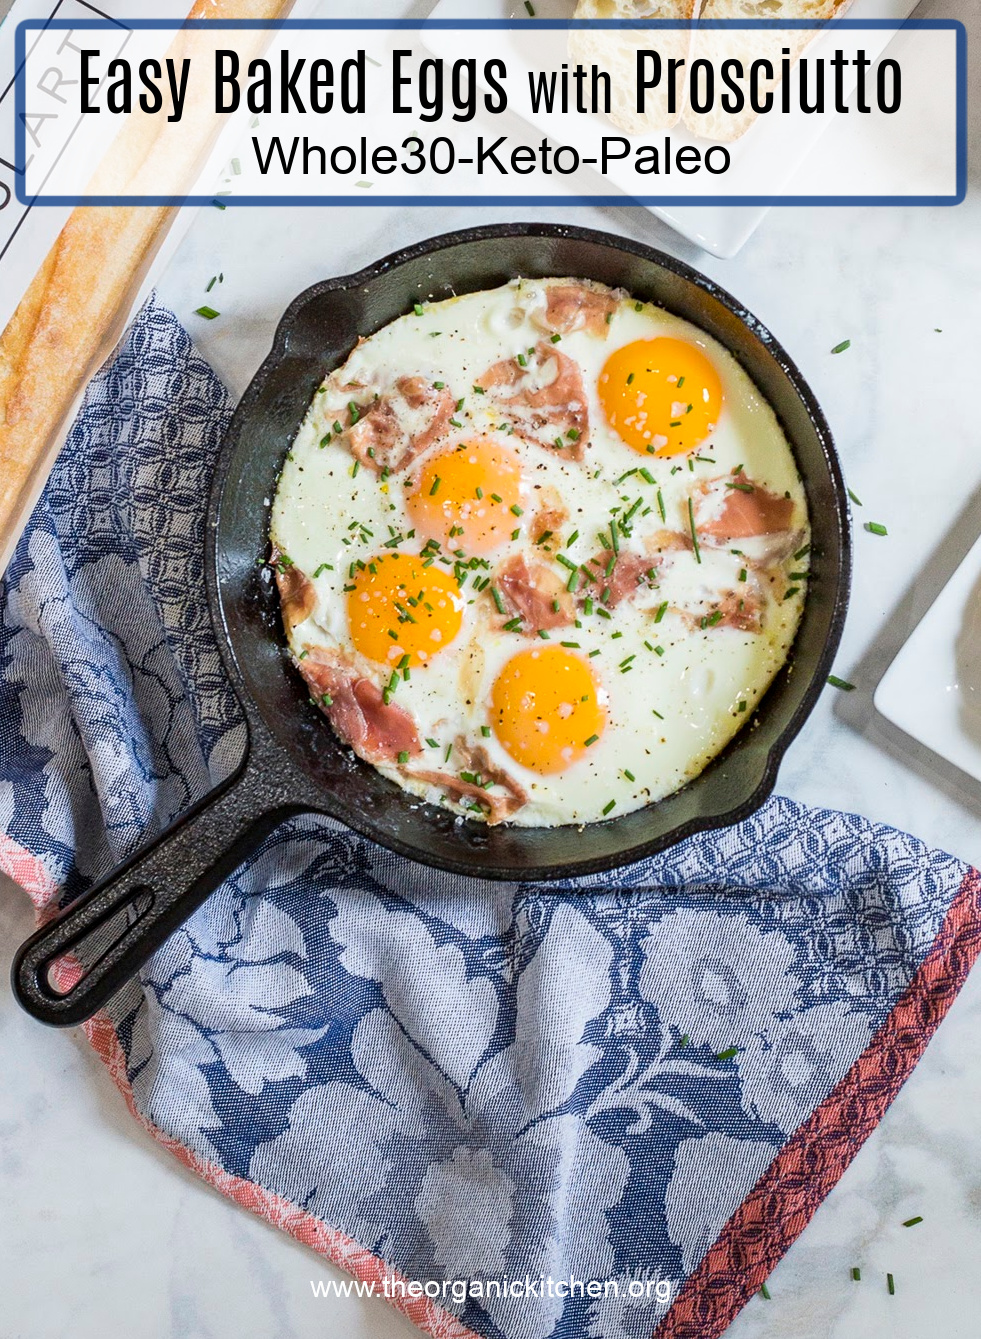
(932, 690)
(721, 229)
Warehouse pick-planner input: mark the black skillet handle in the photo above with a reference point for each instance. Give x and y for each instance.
(154, 891)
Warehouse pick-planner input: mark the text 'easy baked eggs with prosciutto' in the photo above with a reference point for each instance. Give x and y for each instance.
(540, 551)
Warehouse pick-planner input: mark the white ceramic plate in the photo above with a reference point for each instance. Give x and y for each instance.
(786, 140)
(932, 690)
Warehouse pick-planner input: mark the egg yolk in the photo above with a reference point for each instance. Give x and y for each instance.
(661, 396)
(546, 711)
(468, 497)
(401, 613)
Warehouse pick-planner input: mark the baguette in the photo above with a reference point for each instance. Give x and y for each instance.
(746, 47)
(75, 308)
(616, 53)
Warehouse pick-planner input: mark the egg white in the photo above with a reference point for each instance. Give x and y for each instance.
(676, 706)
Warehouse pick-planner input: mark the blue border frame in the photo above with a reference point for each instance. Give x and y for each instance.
(479, 25)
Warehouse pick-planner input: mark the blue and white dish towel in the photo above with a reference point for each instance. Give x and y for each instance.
(645, 1084)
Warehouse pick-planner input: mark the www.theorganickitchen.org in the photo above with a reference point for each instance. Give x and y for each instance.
(462, 1290)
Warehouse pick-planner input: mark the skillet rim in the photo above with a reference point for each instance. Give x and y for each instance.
(431, 247)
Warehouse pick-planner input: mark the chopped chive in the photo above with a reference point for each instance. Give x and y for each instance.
(572, 539)
(608, 809)
(630, 379)
(543, 634)
(355, 413)
(694, 532)
(874, 528)
(684, 1040)
(566, 562)
(843, 684)
(433, 744)
(478, 390)
(418, 309)
(403, 758)
(855, 498)
(522, 360)
(485, 730)
(530, 8)
(743, 488)
(573, 646)
(742, 706)
(840, 348)
(728, 1054)
(765, 1292)
(629, 775)
(646, 475)
(327, 700)
(573, 434)
(591, 740)
(214, 280)
(573, 583)
(515, 510)
(324, 567)
(495, 497)
(856, 1274)
(436, 483)
(659, 650)
(208, 313)
(354, 469)
(662, 610)
(449, 750)
(556, 338)
(657, 714)
(802, 553)
(513, 624)
(912, 1222)
(891, 1285)
(496, 594)
(439, 385)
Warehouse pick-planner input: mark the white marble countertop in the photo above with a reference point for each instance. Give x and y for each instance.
(103, 1232)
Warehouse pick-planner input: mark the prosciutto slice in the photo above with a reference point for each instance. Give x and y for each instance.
(571, 307)
(394, 428)
(377, 731)
(532, 590)
(492, 789)
(543, 399)
(297, 595)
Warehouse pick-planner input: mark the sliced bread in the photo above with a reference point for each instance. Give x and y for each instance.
(616, 53)
(747, 46)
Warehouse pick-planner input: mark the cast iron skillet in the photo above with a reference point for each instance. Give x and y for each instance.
(294, 763)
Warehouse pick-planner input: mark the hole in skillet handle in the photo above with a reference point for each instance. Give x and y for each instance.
(59, 975)
(69, 969)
